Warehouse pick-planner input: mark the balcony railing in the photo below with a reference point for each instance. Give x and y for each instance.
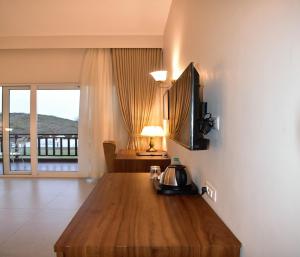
(58, 146)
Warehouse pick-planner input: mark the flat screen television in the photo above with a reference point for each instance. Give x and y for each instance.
(187, 110)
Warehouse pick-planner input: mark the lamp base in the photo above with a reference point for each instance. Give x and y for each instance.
(151, 149)
(151, 146)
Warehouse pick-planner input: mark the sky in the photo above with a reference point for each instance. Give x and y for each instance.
(59, 103)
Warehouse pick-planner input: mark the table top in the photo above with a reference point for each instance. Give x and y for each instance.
(131, 155)
(124, 217)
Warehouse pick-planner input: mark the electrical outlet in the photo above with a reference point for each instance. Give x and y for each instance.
(211, 191)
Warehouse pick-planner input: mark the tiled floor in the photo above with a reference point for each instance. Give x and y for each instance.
(58, 166)
(34, 212)
(43, 166)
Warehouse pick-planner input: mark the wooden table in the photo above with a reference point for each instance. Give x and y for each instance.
(128, 161)
(124, 217)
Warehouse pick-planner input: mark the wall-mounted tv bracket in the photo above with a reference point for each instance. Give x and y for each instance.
(207, 123)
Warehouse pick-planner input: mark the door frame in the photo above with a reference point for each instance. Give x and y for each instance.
(5, 131)
(33, 87)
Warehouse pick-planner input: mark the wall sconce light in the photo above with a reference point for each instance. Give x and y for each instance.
(161, 77)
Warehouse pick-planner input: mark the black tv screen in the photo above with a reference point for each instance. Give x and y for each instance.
(187, 110)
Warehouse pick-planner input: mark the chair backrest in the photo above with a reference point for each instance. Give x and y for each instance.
(110, 154)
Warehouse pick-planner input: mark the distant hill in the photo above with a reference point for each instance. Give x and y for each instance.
(46, 124)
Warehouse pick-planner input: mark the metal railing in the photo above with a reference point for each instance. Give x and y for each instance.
(57, 145)
(48, 145)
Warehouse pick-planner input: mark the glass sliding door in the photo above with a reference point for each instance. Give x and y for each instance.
(57, 129)
(39, 130)
(16, 138)
(19, 130)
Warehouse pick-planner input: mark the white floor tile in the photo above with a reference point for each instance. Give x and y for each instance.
(34, 213)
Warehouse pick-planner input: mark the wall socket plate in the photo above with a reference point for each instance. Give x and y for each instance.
(217, 123)
(211, 191)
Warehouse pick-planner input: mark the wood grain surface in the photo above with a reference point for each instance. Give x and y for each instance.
(128, 161)
(124, 217)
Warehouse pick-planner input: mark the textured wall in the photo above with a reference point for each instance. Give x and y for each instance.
(250, 51)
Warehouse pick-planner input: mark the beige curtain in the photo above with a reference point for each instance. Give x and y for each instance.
(97, 111)
(180, 98)
(136, 89)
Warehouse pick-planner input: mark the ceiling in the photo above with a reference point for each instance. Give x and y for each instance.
(19, 18)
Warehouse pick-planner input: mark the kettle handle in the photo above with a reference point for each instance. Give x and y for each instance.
(181, 176)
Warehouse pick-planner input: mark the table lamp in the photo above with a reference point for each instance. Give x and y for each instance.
(152, 131)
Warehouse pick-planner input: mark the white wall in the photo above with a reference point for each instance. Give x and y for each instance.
(40, 65)
(251, 52)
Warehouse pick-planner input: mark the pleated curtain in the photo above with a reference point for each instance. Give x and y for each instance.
(136, 89)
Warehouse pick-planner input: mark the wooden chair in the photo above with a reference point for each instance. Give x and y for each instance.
(110, 154)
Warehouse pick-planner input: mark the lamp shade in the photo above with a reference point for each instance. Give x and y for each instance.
(153, 131)
(160, 75)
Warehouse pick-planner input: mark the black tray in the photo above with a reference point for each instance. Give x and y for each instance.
(171, 190)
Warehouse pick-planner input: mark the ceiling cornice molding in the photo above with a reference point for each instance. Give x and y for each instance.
(104, 41)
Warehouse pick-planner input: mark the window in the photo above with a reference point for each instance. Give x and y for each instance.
(40, 129)
(57, 119)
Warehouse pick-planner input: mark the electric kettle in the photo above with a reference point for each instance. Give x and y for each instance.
(176, 176)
